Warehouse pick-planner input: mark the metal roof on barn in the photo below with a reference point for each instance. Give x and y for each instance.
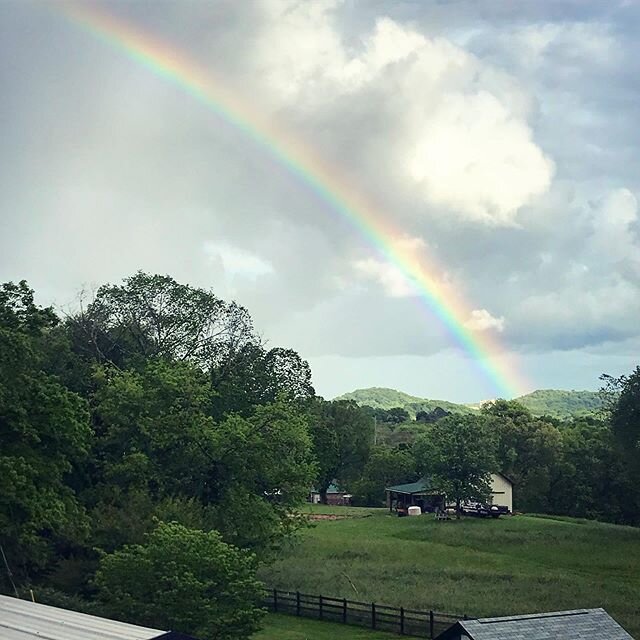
(580, 624)
(26, 620)
(420, 486)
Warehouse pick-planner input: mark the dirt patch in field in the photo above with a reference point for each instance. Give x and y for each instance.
(337, 516)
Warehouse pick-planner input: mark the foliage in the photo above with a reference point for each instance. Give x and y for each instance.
(457, 454)
(549, 402)
(625, 420)
(385, 466)
(44, 432)
(254, 376)
(381, 398)
(155, 440)
(155, 316)
(185, 580)
(562, 404)
(591, 481)
(528, 452)
(342, 436)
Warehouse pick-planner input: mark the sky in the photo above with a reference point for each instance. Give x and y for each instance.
(501, 141)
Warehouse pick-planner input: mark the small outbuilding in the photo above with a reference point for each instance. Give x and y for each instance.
(423, 494)
(335, 496)
(414, 494)
(581, 624)
(26, 620)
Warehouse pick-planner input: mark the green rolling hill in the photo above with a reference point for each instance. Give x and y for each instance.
(552, 402)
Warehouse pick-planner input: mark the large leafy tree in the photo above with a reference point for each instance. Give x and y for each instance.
(385, 466)
(457, 454)
(625, 419)
(253, 376)
(155, 316)
(184, 580)
(342, 434)
(528, 451)
(592, 481)
(44, 432)
(155, 438)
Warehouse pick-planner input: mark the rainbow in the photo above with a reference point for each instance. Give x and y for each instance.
(307, 166)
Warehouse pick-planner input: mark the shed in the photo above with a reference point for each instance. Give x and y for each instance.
(26, 620)
(580, 624)
(335, 496)
(423, 494)
(419, 493)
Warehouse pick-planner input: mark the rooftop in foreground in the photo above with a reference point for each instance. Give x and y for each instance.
(579, 624)
(25, 620)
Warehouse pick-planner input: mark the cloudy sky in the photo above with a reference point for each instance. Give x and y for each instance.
(500, 140)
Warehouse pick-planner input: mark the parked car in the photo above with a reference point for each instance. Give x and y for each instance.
(482, 509)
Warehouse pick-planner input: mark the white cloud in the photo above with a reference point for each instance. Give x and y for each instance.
(482, 320)
(393, 281)
(391, 277)
(451, 129)
(238, 262)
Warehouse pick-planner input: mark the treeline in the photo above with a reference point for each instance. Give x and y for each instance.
(584, 467)
(152, 452)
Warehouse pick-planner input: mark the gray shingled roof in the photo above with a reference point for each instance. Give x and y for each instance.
(580, 624)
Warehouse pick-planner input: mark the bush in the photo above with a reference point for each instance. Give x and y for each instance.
(183, 580)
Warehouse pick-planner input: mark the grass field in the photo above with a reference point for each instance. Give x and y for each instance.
(278, 627)
(479, 567)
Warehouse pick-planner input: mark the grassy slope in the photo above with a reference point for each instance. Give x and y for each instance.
(553, 402)
(279, 627)
(478, 567)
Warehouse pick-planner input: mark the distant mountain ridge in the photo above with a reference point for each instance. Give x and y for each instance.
(552, 402)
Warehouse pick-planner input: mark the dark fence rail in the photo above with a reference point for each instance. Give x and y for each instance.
(407, 622)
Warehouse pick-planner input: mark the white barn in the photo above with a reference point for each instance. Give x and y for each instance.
(501, 491)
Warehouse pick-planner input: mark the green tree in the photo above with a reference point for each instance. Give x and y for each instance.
(44, 432)
(184, 580)
(385, 466)
(254, 376)
(528, 451)
(156, 440)
(342, 434)
(155, 316)
(625, 420)
(457, 454)
(592, 481)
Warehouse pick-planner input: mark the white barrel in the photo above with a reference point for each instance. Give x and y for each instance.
(414, 511)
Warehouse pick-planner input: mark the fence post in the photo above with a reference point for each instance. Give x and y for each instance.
(344, 611)
(401, 621)
(373, 615)
(275, 600)
(320, 607)
(431, 624)
(297, 603)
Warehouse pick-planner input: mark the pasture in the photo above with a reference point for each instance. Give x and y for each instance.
(476, 567)
(279, 627)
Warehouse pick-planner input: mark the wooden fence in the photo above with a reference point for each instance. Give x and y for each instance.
(408, 622)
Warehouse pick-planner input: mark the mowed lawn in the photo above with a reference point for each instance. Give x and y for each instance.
(477, 567)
